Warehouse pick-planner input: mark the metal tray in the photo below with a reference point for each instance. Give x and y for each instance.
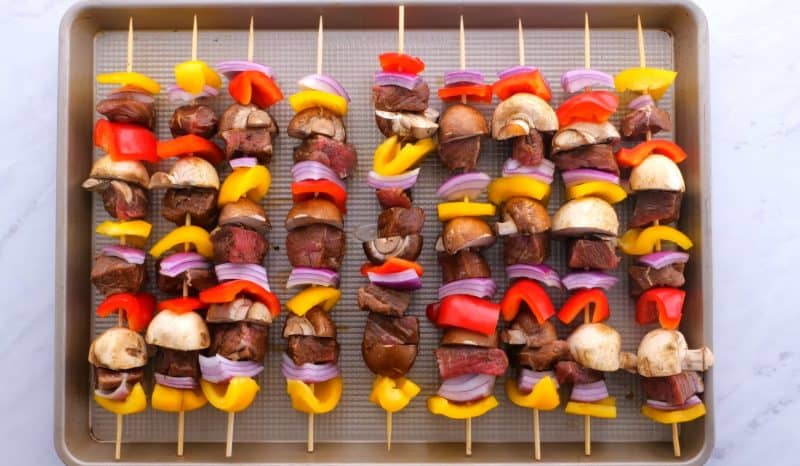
(92, 40)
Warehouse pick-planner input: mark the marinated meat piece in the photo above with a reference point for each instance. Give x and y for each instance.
(317, 245)
(196, 280)
(570, 372)
(389, 346)
(643, 278)
(391, 330)
(128, 110)
(592, 254)
(674, 389)
(239, 341)
(113, 275)
(459, 360)
(314, 323)
(393, 197)
(238, 244)
(382, 300)
(316, 120)
(125, 201)
(544, 357)
(312, 350)
(398, 221)
(463, 264)
(340, 157)
(597, 156)
(525, 330)
(255, 142)
(637, 123)
(528, 150)
(652, 205)
(199, 203)
(525, 249)
(400, 99)
(175, 363)
(197, 119)
(460, 154)
(109, 380)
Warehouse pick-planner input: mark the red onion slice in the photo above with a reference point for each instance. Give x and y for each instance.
(515, 70)
(642, 101)
(404, 181)
(181, 383)
(589, 392)
(578, 280)
(463, 76)
(128, 254)
(584, 175)
(176, 94)
(324, 83)
(231, 68)
(218, 369)
(311, 170)
(119, 393)
(246, 162)
(478, 287)
(540, 273)
(308, 373)
(542, 172)
(254, 273)
(404, 80)
(469, 185)
(309, 276)
(581, 78)
(403, 280)
(661, 259)
(468, 387)
(529, 378)
(664, 406)
(179, 262)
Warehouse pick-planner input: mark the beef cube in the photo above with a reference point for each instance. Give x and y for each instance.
(592, 253)
(338, 156)
(460, 360)
(199, 203)
(239, 341)
(463, 264)
(673, 389)
(196, 280)
(125, 201)
(570, 372)
(528, 150)
(249, 142)
(393, 197)
(382, 300)
(637, 123)
(391, 330)
(197, 119)
(643, 278)
(400, 99)
(175, 363)
(596, 156)
(317, 245)
(109, 380)
(239, 245)
(525, 249)
(398, 221)
(313, 350)
(653, 205)
(460, 154)
(111, 275)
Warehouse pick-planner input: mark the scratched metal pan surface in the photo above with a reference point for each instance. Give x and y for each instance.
(93, 40)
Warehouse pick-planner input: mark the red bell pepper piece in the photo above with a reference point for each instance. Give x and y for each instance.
(393, 62)
(662, 304)
(594, 107)
(125, 141)
(392, 265)
(465, 311)
(309, 189)
(138, 308)
(633, 157)
(481, 93)
(256, 87)
(191, 144)
(182, 305)
(532, 295)
(227, 292)
(581, 301)
(531, 82)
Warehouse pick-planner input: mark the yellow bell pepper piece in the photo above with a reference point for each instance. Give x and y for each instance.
(605, 408)
(393, 394)
(322, 398)
(638, 242)
(136, 402)
(132, 228)
(501, 189)
(174, 400)
(311, 98)
(544, 395)
(232, 397)
(324, 296)
(651, 81)
(192, 234)
(193, 75)
(252, 182)
(609, 192)
(675, 417)
(444, 407)
(130, 78)
(450, 210)
(391, 159)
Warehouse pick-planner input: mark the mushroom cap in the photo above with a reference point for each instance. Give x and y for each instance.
(404, 247)
(461, 121)
(584, 133)
(657, 172)
(316, 120)
(661, 353)
(239, 310)
(520, 114)
(183, 332)
(460, 336)
(313, 211)
(118, 349)
(588, 215)
(105, 169)
(529, 217)
(238, 116)
(245, 212)
(187, 172)
(466, 232)
(408, 125)
(596, 346)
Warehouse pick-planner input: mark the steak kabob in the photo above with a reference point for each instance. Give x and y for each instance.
(525, 118)
(469, 359)
(670, 383)
(119, 354)
(583, 152)
(315, 242)
(391, 338)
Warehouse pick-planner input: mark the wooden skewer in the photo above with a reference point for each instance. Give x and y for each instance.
(229, 437)
(642, 62)
(388, 431)
(587, 48)
(537, 440)
(319, 47)
(401, 26)
(462, 53)
(194, 39)
(469, 437)
(587, 420)
(310, 442)
(180, 432)
(184, 293)
(118, 441)
(129, 61)
(521, 42)
(250, 42)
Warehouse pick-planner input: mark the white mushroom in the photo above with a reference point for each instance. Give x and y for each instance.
(118, 349)
(588, 215)
(583, 134)
(187, 172)
(657, 172)
(105, 169)
(663, 353)
(595, 346)
(405, 124)
(520, 114)
(184, 332)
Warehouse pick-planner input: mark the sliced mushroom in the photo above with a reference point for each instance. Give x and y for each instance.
(118, 349)
(246, 117)
(461, 121)
(596, 346)
(106, 169)
(187, 172)
(238, 310)
(315, 323)
(403, 247)
(465, 233)
(317, 120)
(583, 134)
(663, 353)
(406, 125)
(520, 114)
(523, 215)
(657, 172)
(588, 215)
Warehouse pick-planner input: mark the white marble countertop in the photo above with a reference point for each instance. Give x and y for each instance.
(755, 201)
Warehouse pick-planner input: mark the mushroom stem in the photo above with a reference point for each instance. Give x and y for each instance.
(698, 359)
(506, 228)
(628, 361)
